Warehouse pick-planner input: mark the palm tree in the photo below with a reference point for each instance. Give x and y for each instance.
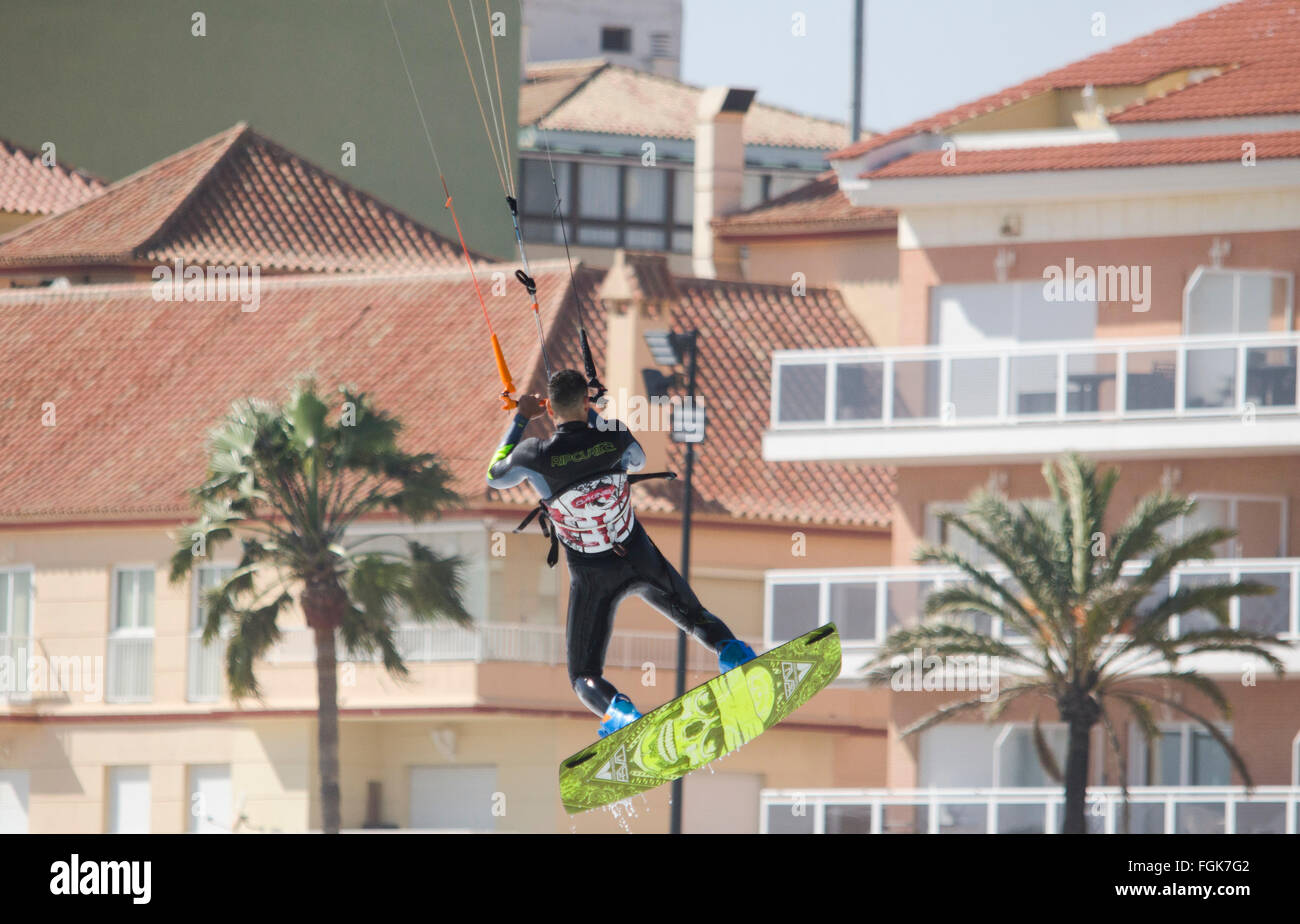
(1093, 640)
(287, 483)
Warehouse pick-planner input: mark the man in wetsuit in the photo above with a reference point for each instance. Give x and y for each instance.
(581, 474)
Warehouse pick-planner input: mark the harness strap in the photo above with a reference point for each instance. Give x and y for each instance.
(542, 515)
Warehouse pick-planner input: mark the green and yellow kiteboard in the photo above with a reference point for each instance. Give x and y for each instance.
(701, 725)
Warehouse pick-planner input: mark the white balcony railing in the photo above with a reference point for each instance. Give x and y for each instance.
(1152, 810)
(130, 669)
(506, 642)
(867, 604)
(1081, 380)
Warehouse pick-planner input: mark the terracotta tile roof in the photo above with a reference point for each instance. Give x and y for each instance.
(1256, 41)
(235, 198)
(814, 208)
(740, 324)
(104, 353)
(595, 96)
(1144, 153)
(415, 343)
(28, 187)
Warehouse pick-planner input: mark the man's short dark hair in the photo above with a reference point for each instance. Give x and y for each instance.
(566, 389)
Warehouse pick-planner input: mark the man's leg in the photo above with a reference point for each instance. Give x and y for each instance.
(593, 591)
(663, 587)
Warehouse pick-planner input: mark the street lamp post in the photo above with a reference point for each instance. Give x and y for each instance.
(688, 428)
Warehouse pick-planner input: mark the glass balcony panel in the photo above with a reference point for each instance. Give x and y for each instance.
(1269, 614)
(974, 388)
(1199, 818)
(905, 603)
(781, 819)
(1033, 385)
(853, 610)
(1149, 381)
(1144, 818)
(1211, 379)
(1090, 383)
(1261, 818)
(906, 819)
(848, 819)
(794, 610)
(916, 389)
(859, 391)
(802, 388)
(957, 818)
(1200, 620)
(1271, 376)
(1022, 819)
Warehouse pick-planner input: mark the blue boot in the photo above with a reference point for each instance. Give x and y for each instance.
(621, 712)
(734, 653)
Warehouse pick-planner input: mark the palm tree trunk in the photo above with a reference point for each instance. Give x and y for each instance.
(1076, 775)
(327, 729)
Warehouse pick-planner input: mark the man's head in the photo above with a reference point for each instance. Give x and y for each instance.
(567, 395)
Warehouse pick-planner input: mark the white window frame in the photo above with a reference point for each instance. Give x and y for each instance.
(30, 570)
(134, 631)
(1236, 273)
(1138, 770)
(1234, 500)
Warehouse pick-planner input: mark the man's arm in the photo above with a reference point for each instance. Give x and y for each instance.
(501, 472)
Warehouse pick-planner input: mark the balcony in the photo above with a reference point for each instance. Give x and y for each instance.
(867, 604)
(1152, 810)
(1144, 398)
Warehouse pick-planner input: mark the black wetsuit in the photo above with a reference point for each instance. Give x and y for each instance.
(581, 474)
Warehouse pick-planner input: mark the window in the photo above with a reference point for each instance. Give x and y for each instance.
(1219, 301)
(609, 202)
(940, 533)
(206, 577)
(206, 678)
(130, 642)
(133, 599)
(210, 802)
(128, 800)
(616, 39)
(1260, 522)
(1185, 754)
(15, 603)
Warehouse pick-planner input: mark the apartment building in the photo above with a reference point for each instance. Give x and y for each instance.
(640, 35)
(632, 170)
(1101, 259)
(115, 716)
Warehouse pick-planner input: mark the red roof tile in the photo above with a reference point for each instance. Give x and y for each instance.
(28, 187)
(235, 198)
(1144, 153)
(1258, 41)
(595, 96)
(136, 384)
(816, 207)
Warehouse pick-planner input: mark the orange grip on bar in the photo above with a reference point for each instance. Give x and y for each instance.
(502, 370)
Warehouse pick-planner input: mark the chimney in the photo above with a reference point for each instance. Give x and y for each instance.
(719, 177)
(636, 299)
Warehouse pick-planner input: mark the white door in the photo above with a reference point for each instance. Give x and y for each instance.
(721, 803)
(210, 802)
(457, 798)
(14, 789)
(128, 800)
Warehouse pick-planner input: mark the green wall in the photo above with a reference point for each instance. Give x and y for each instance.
(119, 84)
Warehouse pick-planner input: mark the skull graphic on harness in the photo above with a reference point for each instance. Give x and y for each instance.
(690, 738)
